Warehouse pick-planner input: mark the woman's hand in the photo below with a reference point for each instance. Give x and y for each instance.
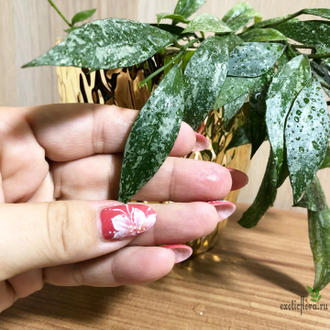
(59, 219)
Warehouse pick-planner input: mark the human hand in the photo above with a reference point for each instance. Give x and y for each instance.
(59, 219)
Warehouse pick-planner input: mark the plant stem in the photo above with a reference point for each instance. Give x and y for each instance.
(175, 42)
(303, 46)
(287, 18)
(185, 47)
(325, 85)
(291, 51)
(58, 11)
(324, 55)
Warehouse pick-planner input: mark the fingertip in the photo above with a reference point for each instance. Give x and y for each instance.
(185, 141)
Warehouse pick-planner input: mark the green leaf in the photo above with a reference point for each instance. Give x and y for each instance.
(173, 29)
(283, 90)
(252, 59)
(322, 12)
(207, 23)
(230, 109)
(240, 137)
(313, 296)
(310, 290)
(306, 32)
(322, 74)
(317, 291)
(176, 17)
(283, 59)
(317, 202)
(153, 134)
(306, 136)
(204, 76)
(319, 298)
(314, 300)
(240, 15)
(319, 238)
(261, 35)
(186, 8)
(83, 15)
(71, 29)
(257, 111)
(232, 88)
(326, 162)
(106, 44)
(264, 199)
(322, 50)
(271, 21)
(232, 40)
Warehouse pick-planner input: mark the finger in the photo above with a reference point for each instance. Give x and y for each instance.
(130, 265)
(73, 131)
(178, 179)
(37, 235)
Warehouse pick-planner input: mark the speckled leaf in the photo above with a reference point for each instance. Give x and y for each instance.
(230, 109)
(240, 137)
(322, 50)
(322, 74)
(326, 162)
(283, 90)
(207, 23)
(319, 239)
(232, 88)
(260, 35)
(257, 113)
(186, 8)
(153, 135)
(265, 197)
(306, 32)
(240, 15)
(306, 136)
(322, 12)
(175, 17)
(204, 76)
(268, 22)
(173, 29)
(284, 58)
(252, 59)
(317, 202)
(106, 44)
(232, 40)
(83, 15)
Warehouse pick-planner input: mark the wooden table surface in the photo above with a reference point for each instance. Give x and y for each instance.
(240, 284)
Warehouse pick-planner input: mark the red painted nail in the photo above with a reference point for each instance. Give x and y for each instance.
(240, 179)
(224, 208)
(201, 142)
(182, 251)
(124, 221)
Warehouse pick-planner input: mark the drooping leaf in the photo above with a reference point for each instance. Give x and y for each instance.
(240, 15)
(260, 35)
(186, 8)
(265, 197)
(257, 113)
(204, 76)
(252, 59)
(106, 44)
(316, 203)
(319, 239)
(71, 29)
(326, 162)
(306, 32)
(207, 23)
(283, 90)
(319, 298)
(232, 88)
(176, 17)
(322, 74)
(306, 136)
(310, 290)
(322, 12)
(153, 134)
(240, 137)
(230, 109)
(83, 15)
(173, 29)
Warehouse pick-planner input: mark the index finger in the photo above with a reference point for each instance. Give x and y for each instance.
(73, 131)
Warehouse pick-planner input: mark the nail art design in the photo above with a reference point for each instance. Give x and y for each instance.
(224, 208)
(124, 221)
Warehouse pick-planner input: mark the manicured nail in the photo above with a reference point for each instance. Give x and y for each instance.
(182, 252)
(224, 208)
(124, 221)
(239, 178)
(201, 142)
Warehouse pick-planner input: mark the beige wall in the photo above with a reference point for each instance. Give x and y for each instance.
(28, 28)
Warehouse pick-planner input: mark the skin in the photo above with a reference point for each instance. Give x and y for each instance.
(59, 165)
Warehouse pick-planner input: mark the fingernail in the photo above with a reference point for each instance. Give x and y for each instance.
(239, 178)
(182, 252)
(124, 221)
(201, 142)
(224, 208)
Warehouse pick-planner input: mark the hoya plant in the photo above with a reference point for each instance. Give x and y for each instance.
(277, 68)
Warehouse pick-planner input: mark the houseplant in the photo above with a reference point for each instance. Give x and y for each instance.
(277, 70)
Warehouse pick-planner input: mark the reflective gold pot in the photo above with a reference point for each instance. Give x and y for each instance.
(120, 87)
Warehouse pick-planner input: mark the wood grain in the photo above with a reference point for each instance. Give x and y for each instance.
(29, 28)
(238, 285)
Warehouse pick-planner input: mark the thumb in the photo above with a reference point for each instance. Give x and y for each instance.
(38, 235)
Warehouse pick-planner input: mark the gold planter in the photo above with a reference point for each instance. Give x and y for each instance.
(120, 87)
